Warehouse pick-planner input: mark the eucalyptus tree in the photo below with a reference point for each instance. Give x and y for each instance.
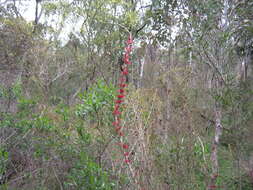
(212, 33)
(100, 27)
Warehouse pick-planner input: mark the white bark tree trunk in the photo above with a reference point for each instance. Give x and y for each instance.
(218, 86)
(214, 154)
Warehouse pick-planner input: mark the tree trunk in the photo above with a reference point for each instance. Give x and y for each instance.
(214, 154)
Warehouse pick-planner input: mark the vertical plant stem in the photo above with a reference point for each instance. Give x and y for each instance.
(123, 79)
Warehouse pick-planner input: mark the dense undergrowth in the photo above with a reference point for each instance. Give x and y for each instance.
(58, 146)
(49, 147)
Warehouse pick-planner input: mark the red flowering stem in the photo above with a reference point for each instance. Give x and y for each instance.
(123, 144)
(120, 99)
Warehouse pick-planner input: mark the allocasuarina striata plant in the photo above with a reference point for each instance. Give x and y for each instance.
(120, 98)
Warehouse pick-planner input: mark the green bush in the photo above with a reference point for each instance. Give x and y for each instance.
(97, 102)
(13, 92)
(87, 175)
(3, 161)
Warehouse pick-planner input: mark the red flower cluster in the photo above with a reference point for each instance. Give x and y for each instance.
(125, 146)
(121, 96)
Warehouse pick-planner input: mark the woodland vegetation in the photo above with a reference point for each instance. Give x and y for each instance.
(126, 95)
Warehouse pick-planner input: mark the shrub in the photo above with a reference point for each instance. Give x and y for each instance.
(87, 175)
(97, 103)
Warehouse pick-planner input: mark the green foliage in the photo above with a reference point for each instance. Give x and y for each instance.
(83, 135)
(43, 123)
(50, 131)
(202, 150)
(64, 111)
(97, 102)
(87, 175)
(25, 106)
(3, 161)
(175, 157)
(11, 93)
(131, 18)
